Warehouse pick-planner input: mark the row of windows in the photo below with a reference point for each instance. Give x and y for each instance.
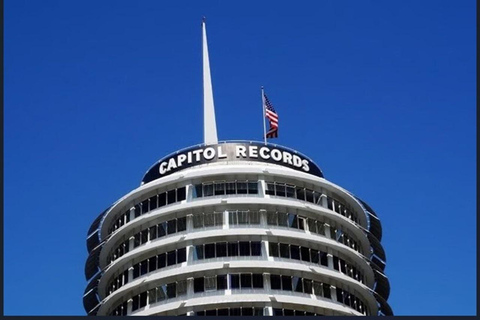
(291, 312)
(148, 265)
(280, 189)
(227, 249)
(242, 281)
(206, 220)
(157, 231)
(243, 217)
(243, 311)
(156, 201)
(290, 251)
(294, 221)
(218, 188)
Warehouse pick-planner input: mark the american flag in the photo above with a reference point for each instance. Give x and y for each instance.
(272, 117)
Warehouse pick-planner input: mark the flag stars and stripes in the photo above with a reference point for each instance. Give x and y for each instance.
(272, 117)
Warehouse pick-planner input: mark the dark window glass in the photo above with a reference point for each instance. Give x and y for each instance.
(144, 236)
(230, 187)
(280, 189)
(272, 218)
(143, 299)
(290, 191)
(198, 220)
(343, 266)
(162, 229)
(273, 249)
(198, 284)
(162, 199)
(241, 187)
(145, 206)
(233, 249)
(161, 293)
(181, 255)
(275, 282)
(309, 194)
(136, 270)
(287, 283)
(138, 211)
(221, 249)
(314, 256)
(136, 240)
(277, 312)
(299, 313)
(292, 220)
(307, 286)
(295, 252)
(171, 290)
(210, 250)
(219, 188)
(222, 282)
(143, 267)
(153, 202)
(171, 258)
(247, 311)
(335, 263)
(181, 194)
(323, 259)
(305, 253)
(197, 191)
(329, 203)
(222, 312)
(284, 250)
(301, 194)
(246, 280)
(235, 312)
(244, 248)
(234, 281)
(282, 219)
(162, 260)
(253, 188)
(297, 284)
(326, 291)
(181, 224)
(208, 189)
(301, 223)
(135, 302)
(339, 295)
(256, 248)
(153, 232)
(312, 225)
(211, 312)
(171, 196)
(257, 280)
(288, 312)
(316, 197)
(200, 313)
(172, 226)
(270, 188)
(311, 314)
(152, 264)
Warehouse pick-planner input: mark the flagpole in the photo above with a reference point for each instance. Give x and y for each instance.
(264, 116)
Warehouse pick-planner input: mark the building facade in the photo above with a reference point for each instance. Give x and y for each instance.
(236, 228)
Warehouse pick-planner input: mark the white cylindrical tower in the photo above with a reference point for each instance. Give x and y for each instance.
(236, 228)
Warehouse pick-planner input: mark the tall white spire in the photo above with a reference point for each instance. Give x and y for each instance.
(209, 123)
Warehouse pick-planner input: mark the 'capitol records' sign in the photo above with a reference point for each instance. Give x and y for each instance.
(233, 151)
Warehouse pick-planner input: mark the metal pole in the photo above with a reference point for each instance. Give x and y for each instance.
(264, 116)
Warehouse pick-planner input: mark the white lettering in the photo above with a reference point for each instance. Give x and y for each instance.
(162, 168)
(181, 158)
(197, 154)
(221, 155)
(189, 157)
(171, 164)
(305, 165)
(263, 153)
(287, 157)
(253, 150)
(276, 154)
(209, 153)
(297, 161)
(241, 151)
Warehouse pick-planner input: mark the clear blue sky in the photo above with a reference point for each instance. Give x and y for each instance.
(381, 94)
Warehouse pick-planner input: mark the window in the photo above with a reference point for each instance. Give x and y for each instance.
(153, 232)
(326, 291)
(272, 218)
(282, 219)
(275, 282)
(234, 281)
(208, 189)
(273, 249)
(198, 284)
(244, 248)
(172, 226)
(162, 199)
(314, 256)
(292, 220)
(221, 282)
(305, 254)
(270, 188)
(135, 302)
(197, 191)
(181, 194)
(181, 287)
(181, 255)
(307, 286)
(242, 187)
(297, 284)
(198, 220)
(198, 252)
(210, 250)
(284, 250)
(256, 248)
(154, 202)
(286, 283)
(145, 206)
(290, 191)
(246, 280)
(162, 229)
(211, 283)
(171, 290)
(295, 252)
(221, 249)
(280, 189)
(143, 267)
(252, 187)
(219, 188)
(182, 224)
(309, 195)
(257, 280)
(171, 196)
(162, 260)
(323, 259)
(171, 258)
(152, 264)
